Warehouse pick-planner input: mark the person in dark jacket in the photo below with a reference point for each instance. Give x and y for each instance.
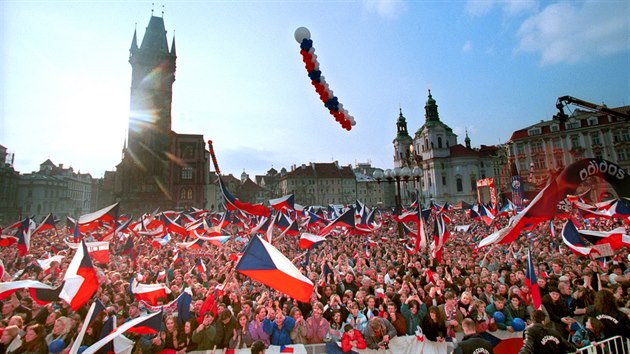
(540, 339)
(473, 342)
(559, 313)
(434, 326)
(615, 322)
(225, 329)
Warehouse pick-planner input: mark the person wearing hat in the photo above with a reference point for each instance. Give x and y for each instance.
(540, 339)
(559, 313)
(472, 343)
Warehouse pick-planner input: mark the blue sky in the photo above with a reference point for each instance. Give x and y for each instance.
(493, 67)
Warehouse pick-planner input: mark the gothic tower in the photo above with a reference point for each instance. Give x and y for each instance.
(143, 176)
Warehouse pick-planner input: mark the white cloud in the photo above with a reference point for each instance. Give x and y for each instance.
(570, 32)
(508, 7)
(467, 47)
(389, 9)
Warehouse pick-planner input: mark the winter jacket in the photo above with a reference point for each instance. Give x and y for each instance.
(279, 336)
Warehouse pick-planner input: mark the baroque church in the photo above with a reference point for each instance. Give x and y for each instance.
(446, 171)
(160, 168)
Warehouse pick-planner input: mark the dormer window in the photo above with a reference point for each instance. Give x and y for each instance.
(534, 131)
(592, 121)
(554, 127)
(572, 124)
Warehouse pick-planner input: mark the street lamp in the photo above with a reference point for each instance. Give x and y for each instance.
(417, 176)
(396, 175)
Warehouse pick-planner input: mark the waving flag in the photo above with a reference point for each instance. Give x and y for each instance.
(532, 282)
(107, 214)
(95, 310)
(171, 226)
(159, 242)
(45, 263)
(149, 324)
(40, 292)
(99, 251)
(307, 241)
(201, 267)
(286, 202)
(24, 237)
(288, 226)
(233, 203)
(129, 249)
(193, 245)
(150, 293)
(264, 263)
(571, 238)
(616, 238)
(344, 220)
(47, 224)
(80, 281)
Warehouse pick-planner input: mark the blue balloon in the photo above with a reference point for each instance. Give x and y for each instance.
(499, 317)
(518, 324)
(56, 346)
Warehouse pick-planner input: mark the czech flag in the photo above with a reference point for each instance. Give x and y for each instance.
(149, 324)
(571, 238)
(308, 241)
(47, 224)
(532, 282)
(201, 267)
(286, 202)
(264, 263)
(232, 203)
(40, 292)
(149, 292)
(344, 220)
(80, 281)
(24, 237)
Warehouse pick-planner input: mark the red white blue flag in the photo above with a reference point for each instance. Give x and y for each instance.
(264, 263)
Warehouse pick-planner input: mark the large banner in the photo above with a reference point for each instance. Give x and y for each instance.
(518, 194)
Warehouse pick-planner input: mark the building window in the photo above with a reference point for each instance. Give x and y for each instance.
(460, 186)
(621, 154)
(439, 142)
(557, 144)
(554, 127)
(575, 141)
(592, 121)
(595, 139)
(539, 163)
(188, 150)
(626, 135)
(189, 194)
(187, 173)
(534, 131)
(573, 125)
(443, 180)
(536, 146)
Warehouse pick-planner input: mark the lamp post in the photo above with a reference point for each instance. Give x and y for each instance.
(395, 176)
(416, 173)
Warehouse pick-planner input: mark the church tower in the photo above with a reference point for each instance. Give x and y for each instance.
(402, 143)
(434, 138)
(143, 179)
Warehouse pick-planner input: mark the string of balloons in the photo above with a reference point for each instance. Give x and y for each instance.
(331, 102)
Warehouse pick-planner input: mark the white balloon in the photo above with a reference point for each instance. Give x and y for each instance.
(301, 33)
(353, 123)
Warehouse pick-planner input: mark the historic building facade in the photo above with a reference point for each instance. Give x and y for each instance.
(550, 145)
(448, 171)
(160, 168)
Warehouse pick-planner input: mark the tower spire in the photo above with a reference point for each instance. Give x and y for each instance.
(134, 40)
(173, 52)
(467, 140)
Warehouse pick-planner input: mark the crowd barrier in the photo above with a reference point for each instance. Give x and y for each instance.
(616, 345)
(510, 344)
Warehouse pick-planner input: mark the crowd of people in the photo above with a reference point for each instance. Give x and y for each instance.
(364, 294)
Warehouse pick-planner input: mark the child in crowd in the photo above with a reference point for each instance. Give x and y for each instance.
(351, 339)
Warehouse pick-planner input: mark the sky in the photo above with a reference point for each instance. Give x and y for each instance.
(492, 66)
